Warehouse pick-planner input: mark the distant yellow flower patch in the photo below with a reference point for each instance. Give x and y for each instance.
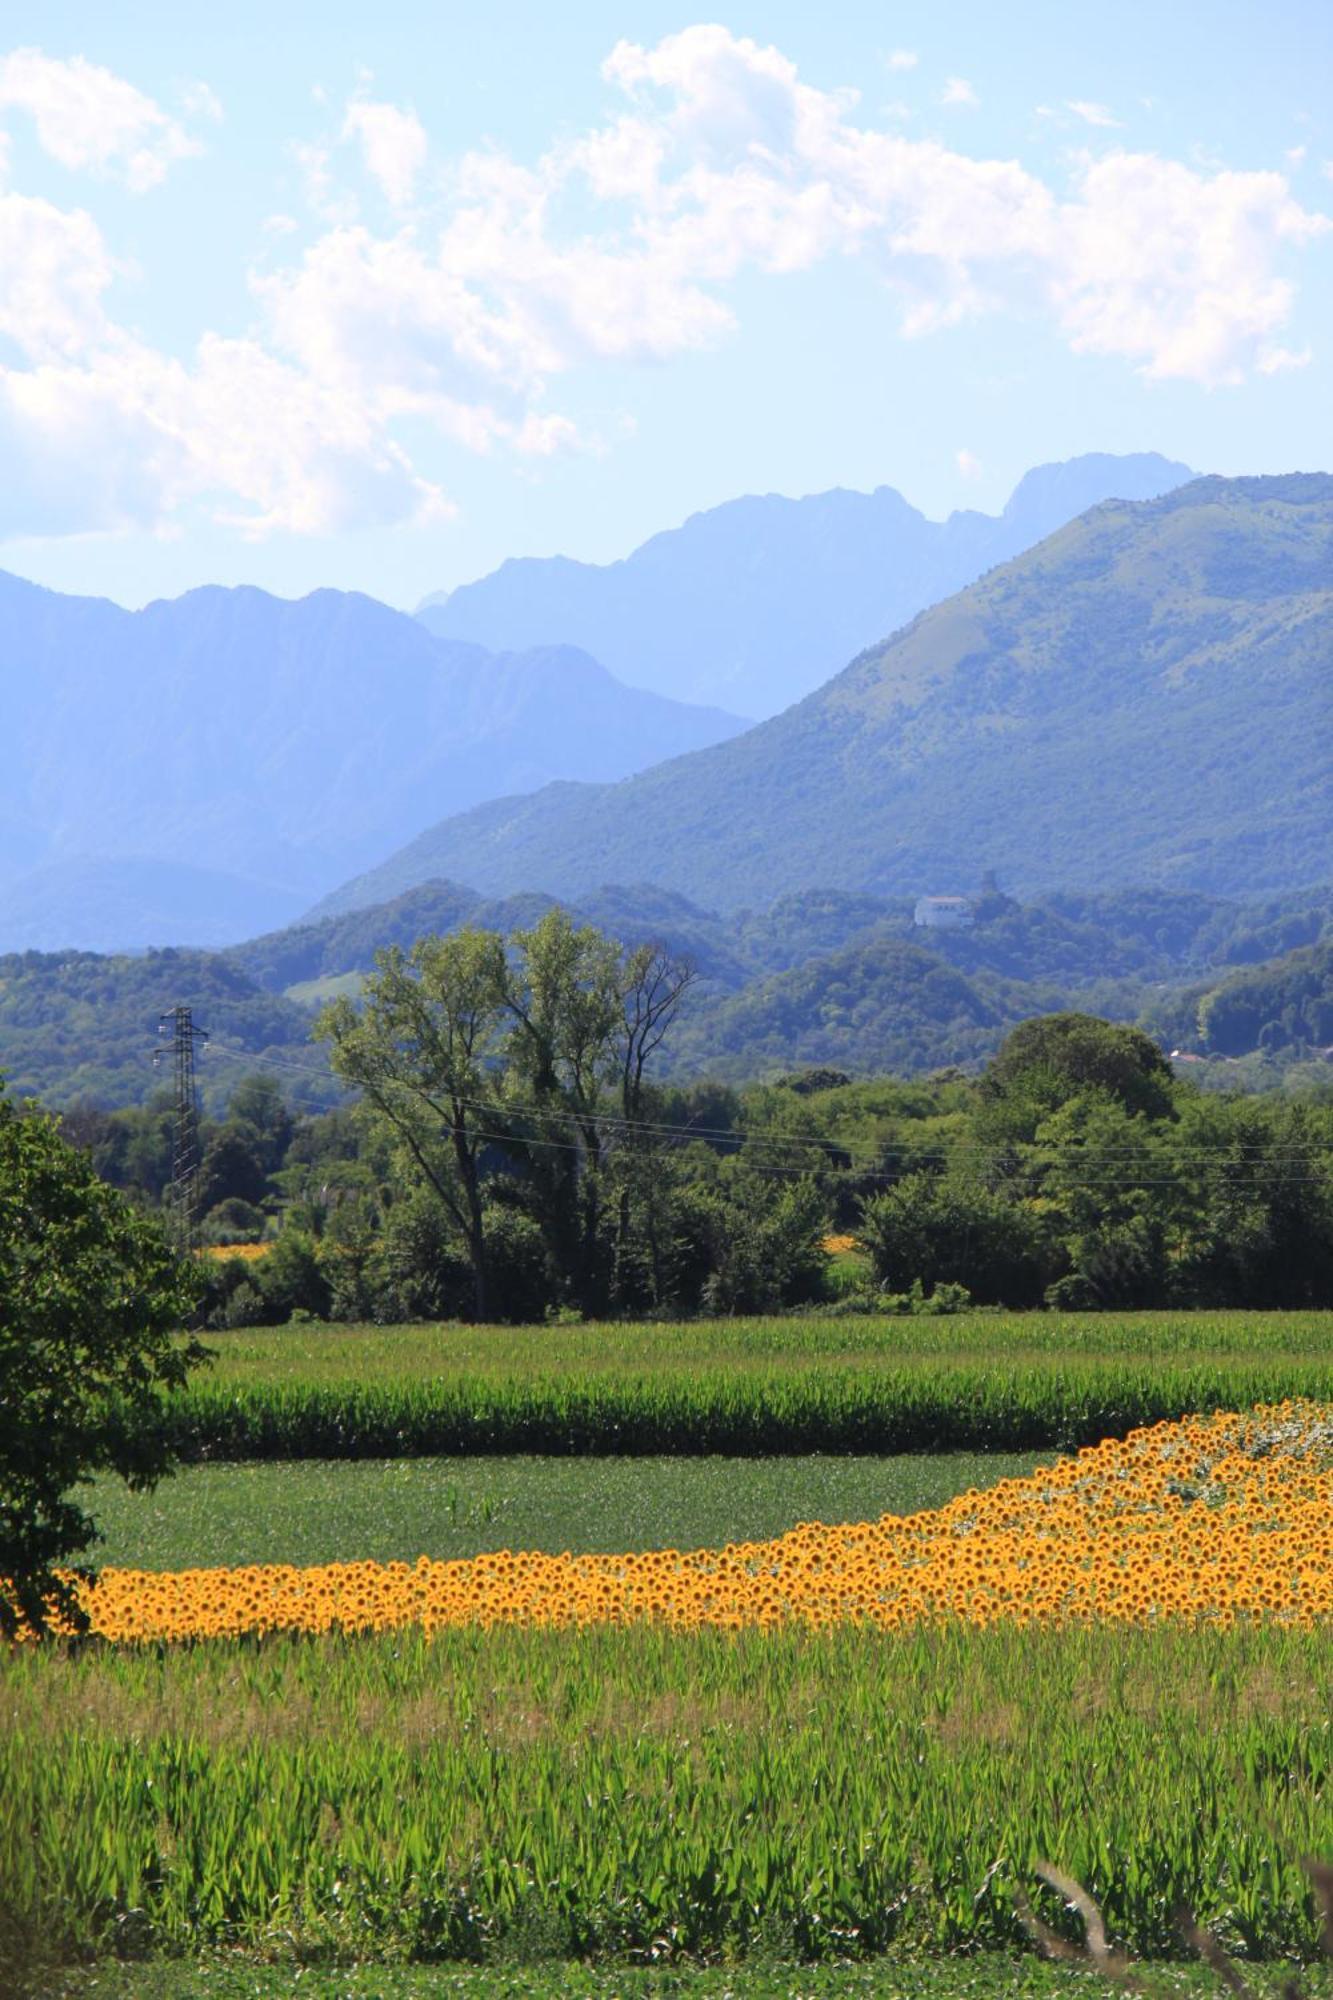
(1210, 1520)
(838, 1246)
(250, 1251)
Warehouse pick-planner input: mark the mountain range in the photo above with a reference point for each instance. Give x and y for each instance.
(755, 603)
(1146, 695)
(197, 770)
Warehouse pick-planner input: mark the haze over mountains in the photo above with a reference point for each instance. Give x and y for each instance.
(1144, 697)
(201, 769)
(754, 604)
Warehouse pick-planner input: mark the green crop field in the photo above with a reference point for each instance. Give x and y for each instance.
(325, 1356)
(992, 1977)
(318, 1511)
(638, 1812)
(977, 1382)
(524, 1794)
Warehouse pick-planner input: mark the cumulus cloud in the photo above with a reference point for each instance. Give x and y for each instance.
(461, 314)
(89, 119)
(969, 465)
(902, 59)
(393, 146)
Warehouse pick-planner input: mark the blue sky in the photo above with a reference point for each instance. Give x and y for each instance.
(376, 296)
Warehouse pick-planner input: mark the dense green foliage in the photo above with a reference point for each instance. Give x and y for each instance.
(90, 1298)
(1283, 1004)
(610, 1791)
(519, 1147)
(1184, 640)
(76, 1028)
(851, 1385)
(1078, 1172)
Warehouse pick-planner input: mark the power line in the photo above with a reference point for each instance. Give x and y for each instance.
(870, 1163)
(726, 1133)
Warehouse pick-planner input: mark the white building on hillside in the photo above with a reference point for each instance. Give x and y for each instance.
(943, 913)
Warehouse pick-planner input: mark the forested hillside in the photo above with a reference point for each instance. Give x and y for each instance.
(79, 1028)
(820, 977)
(1144, 697)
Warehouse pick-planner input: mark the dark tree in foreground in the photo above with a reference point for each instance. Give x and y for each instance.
(91, 1300)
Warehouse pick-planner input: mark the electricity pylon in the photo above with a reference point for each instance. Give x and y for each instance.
(182, 1197)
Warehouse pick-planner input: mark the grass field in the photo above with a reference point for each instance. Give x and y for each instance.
(319, 1511)
(1001, 1382)
(993, 1977)
(527, 1794)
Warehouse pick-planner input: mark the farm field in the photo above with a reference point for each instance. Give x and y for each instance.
(322, 1511)
(316, 1354)
(992, 1977)
(988, 1382)
(796, 1806)
(523, 1793)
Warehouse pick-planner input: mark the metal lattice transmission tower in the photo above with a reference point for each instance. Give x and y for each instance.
(183, 1194)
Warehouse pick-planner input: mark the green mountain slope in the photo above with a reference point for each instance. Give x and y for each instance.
(880, 1007)
(1146, 696)
(757, 602)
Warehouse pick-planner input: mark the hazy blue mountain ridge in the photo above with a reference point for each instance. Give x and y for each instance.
(755, 603)
(270, 746)
(1145, 696)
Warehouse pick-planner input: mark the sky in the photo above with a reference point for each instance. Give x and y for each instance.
(376, 296)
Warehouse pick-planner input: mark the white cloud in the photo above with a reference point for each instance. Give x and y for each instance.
(957, 90)
(393, 146)
(88, 118)
(202, 102)
(1276, 360)
(1295, 155)
(902, 59)
(1174, 269)
(969, 465)
(54, 270)
(623, 242)
(1093, 114)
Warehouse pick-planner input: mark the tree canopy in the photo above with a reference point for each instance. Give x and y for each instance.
(91, 1301)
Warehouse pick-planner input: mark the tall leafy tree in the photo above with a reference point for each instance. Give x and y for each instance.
(425, 1048)
(91, 1302)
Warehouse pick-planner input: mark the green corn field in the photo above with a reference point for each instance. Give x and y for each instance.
(975, 1382)
(647, 1796)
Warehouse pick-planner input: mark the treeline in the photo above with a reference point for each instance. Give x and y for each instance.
(509, 1156)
